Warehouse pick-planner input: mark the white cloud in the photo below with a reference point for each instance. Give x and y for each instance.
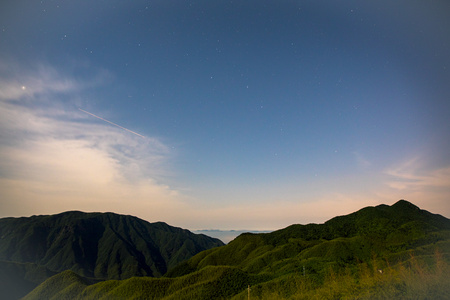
(56, 158)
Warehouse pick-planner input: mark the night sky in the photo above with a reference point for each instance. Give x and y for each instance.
(224, 114)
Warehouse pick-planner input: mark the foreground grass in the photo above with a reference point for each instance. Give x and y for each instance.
(424, 277)
(417, 278)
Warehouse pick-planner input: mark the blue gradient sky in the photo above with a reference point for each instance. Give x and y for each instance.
(255, 114)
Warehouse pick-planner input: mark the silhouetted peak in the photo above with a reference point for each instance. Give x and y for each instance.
(403, 204)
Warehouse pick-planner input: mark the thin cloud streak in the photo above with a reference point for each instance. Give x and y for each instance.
(112, 123)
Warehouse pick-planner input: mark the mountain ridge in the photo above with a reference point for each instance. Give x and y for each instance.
(343, 257)
(98, 245)
(376, 228)
(408, 245)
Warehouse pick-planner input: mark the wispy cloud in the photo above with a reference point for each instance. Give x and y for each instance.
(427, 187)
(55, 157)
(361, 160)
(16, 84)
(411, 175)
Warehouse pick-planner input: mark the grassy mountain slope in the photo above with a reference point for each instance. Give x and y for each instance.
(384, 231)
(95, 245)
(376, 252)
(213, 282)
(65, 285)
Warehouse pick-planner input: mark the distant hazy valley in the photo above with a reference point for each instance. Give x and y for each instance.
(227, 236)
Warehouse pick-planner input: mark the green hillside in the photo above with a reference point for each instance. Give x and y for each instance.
(396, 251)
(93, 245)
(384, 231)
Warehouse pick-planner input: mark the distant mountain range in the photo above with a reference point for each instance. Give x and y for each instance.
(99, 246)
(382, 252)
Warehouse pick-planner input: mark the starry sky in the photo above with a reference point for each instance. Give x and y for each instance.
(250, 114)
